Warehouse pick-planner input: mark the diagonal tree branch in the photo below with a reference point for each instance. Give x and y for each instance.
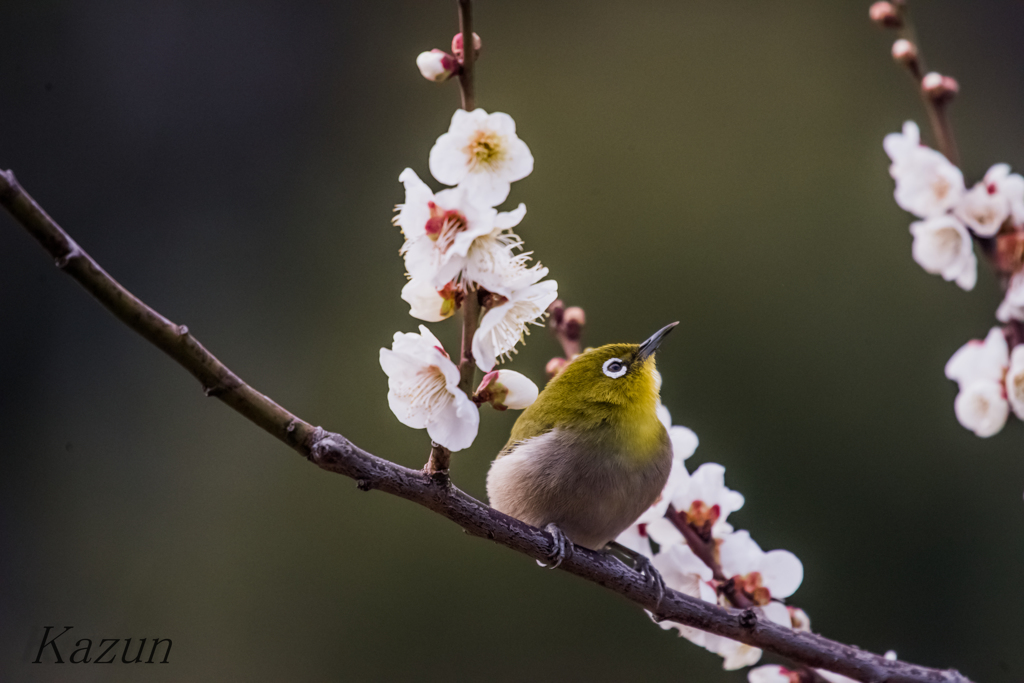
(334, 453)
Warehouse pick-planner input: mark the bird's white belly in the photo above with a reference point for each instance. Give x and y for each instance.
(592, 497)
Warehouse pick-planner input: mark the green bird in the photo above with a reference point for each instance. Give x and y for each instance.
(590, 454)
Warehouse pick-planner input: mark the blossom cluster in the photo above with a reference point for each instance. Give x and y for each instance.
(701, 500)
(953, 218)
(460, 252)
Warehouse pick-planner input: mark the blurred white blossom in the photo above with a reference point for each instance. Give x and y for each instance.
(482, 153)
(1015, 381)
(982, 407)
(1012, 306)
(927, 184)
(423, 390)
(505, 325)
(979, 367)
(999, 195)
(986, 207)
(942, 246)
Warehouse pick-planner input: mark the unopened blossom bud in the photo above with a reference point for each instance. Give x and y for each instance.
(939, 88)
(555, 366)
(505, 389)
(457, 46)
(885, 15)
(573, 321)
(904, 52)
(436, 65)
(555, 312)
(431, 304)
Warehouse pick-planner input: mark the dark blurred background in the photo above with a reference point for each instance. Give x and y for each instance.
(235, 164)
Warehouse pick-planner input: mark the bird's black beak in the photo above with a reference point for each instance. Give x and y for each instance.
(648, 348)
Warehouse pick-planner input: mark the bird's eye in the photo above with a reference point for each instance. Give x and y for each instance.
(614, 368)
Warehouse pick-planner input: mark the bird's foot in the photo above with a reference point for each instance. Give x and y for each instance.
(643, 565)
(562, 547)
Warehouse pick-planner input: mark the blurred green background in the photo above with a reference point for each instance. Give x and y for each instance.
(235, 164)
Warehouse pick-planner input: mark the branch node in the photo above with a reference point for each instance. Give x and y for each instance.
(364, 484)
(73, 253)
(222, 387)
(182, 330)
(748, 618)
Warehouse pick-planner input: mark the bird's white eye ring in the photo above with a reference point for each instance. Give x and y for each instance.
(614, 368)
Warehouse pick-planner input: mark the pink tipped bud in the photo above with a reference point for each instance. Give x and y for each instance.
(904, 51)
(505, 389)
(886, 15)
(436, 65)
(573, 321)
(939, 88)
(555, 367)
(457, 46)
(556, 310)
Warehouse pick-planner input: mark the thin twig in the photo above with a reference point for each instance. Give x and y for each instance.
(936, 108)
(468, 55)
(334, 453)
(440, 457)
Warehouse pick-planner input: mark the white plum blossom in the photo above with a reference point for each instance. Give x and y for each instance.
(704, 502)
(436, 65)
(492, 261)
(1012, 306)
(999, 195)
(978, 368)
(428, 303)
(505, 325)
(423, 390)
(927, 184)
(1015, 381)
(684, 441)
(441, 229)
(481, 153)
(664, 416)
(755, 572)
(506, 389)
(685, 572)
(761, 575)
(943, 246)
